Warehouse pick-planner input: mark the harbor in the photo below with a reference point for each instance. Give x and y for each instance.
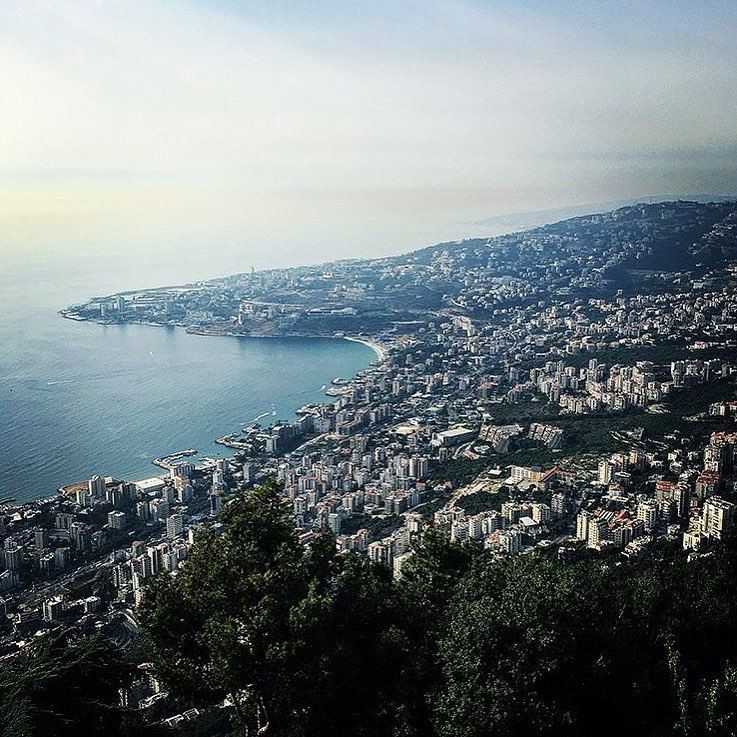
(168, 462)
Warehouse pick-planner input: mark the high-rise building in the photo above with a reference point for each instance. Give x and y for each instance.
(184, 494)
(182, 470)
(647, 513)
(83, 497)
(418, 467)
(216, 504)
(717, 457)
(682, 498)
(510, 541)
(159, 509)
(80, 535)
(381, 551)
(582, 524)
(334, 523)
(143, 511)
(116, 520)
(475, 527)
(707, 484)
(218, 480)
(717, 517)
(13, 556)
(606, 471)
(52, 609)
(174, 526)
(96, 487)
(558, 504)
(152, 561)
(598, 531)
(41, 538)
(62, 557)
(621, 535)
(541, 513)
(512, 511)
(63, 520)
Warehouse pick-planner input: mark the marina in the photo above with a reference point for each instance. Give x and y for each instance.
(168, 462)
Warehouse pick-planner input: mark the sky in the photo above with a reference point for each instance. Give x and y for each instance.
(269, 133)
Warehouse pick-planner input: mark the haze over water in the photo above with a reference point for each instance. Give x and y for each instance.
(79, 398)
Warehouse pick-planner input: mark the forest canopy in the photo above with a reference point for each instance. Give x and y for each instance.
(301, 640)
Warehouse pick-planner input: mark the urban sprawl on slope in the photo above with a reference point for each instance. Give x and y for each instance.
(568, 390)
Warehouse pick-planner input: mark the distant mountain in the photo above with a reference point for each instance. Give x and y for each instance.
(512, 222)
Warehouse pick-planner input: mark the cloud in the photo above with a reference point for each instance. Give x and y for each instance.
(351, 125)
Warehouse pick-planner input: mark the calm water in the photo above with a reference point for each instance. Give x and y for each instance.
(78, 399)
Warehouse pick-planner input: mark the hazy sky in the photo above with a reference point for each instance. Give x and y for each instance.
(291, 131)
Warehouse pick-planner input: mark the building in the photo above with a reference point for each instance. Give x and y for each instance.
(174, 526)
(606, 471)
(522, 473)
(159, 509)
(707, 484)
(541, 513)
(52, 609)
(694, 539)
(399, 562)
(96, 487)
(147, 486)
(453, 436)
(622, 535)
(116, 520)
(13, 556)
(62, 557)
(598, 531)
(558, 505)
(41, 539)
(717, 517)
(682, 499)
(510, 541)
(647, 513)
(380, 551)
(582, 524)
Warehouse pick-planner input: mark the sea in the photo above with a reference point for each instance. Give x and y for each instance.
(79, 399)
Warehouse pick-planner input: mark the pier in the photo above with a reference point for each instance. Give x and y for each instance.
(167, 462)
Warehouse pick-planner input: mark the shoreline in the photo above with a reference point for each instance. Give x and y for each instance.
(380, 351)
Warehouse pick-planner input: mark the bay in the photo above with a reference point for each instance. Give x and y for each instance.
(77, 399)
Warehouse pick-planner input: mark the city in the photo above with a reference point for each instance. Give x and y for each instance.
(368, 369)
(567, 391)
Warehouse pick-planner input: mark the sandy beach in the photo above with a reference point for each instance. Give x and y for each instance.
(380, 351)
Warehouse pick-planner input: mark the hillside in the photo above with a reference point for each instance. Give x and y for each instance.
(639, 249)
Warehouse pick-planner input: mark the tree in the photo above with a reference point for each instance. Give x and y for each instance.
(65, 686)
(299, 640)
(356, 650)
(529, 647)
(220, 630)
(429, 580)
(305, 642)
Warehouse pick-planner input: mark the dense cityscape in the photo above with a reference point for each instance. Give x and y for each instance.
(567, 392)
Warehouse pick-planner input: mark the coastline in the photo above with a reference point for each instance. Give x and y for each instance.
(381, 354)
(380, 350)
